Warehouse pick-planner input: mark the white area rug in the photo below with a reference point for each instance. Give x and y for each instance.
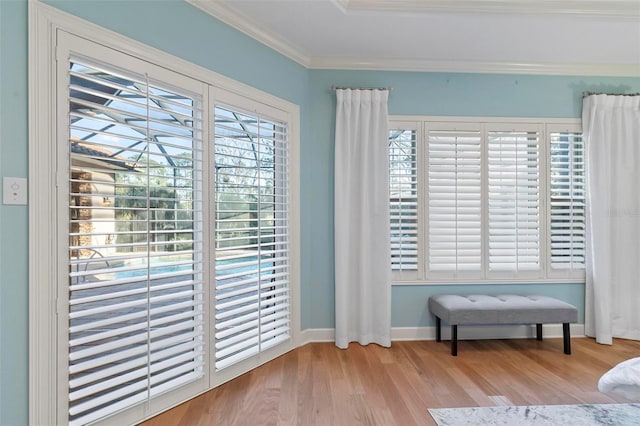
(540, 415)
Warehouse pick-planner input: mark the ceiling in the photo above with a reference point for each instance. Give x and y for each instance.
(583, 37)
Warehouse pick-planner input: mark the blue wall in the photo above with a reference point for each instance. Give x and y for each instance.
(184, 31)
(444, 94)
(179, 29)
(14, 357)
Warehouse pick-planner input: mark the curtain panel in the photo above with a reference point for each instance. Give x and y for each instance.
(611, 127)
(361, 217)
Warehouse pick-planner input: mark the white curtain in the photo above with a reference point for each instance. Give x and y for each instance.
(611, 127)
(361, 214)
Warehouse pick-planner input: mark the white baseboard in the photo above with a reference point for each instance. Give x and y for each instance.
(478, 332)
(317, 335)
(467, 332)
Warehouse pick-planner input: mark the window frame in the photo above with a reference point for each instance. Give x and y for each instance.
(545, 126)
(46, 214)
(442, 126)
(72, 49)
(566, 127)
(413, 275)
(228, 99)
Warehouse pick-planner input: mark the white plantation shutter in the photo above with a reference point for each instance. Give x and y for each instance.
(567, 200)
(514, 187)
(499, 204)
(252, 301)
(135, 293)
(403, 198)
(455, 204)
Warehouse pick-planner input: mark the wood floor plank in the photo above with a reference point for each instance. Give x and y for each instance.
(319, 384)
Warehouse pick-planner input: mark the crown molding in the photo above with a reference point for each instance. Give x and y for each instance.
(246, 25)
(536, 68)
(606, 8)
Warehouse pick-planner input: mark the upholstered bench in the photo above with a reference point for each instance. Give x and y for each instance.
(502, 309)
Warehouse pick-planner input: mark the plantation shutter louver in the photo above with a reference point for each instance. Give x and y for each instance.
(252, 289)
(135, 240)
(499, 204)
(403, 194)
(513, 161)
(567, 200)
(455, 201)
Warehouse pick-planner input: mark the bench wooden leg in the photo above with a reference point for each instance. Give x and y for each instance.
(454, 340)
(438, 332)
(566, 337)
(538, 331)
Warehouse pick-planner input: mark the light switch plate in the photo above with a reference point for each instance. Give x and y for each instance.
(14, 190)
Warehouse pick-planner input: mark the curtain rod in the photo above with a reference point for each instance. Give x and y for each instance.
(585, 94)
(334, 88)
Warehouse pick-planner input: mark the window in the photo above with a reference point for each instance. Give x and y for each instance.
(567, 199)
(167, 232)
(514, 199)
(135, 295)
(403, 157)
(486, 201)
(252, 308)
(454, 205)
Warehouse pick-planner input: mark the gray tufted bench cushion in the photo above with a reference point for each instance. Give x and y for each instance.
(502, 309)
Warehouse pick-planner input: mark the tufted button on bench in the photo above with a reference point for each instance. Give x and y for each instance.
(502, 309)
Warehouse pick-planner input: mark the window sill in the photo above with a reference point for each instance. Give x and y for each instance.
(488, 282)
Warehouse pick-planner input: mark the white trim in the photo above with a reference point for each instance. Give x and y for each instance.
(489, 281)
(608, 8)
(251, 28)
(475, 332)
(57, 19)
(246, 25)
(424, 65)
(311, 335)
(479, 119)
(42, 300)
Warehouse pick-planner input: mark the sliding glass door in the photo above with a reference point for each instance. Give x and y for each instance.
(135, 290)
(252, 294)
(173, 232)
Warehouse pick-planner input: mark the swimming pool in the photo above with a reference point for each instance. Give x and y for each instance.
(246, 265)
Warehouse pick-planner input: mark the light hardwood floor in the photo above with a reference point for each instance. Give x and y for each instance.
(319, 384)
